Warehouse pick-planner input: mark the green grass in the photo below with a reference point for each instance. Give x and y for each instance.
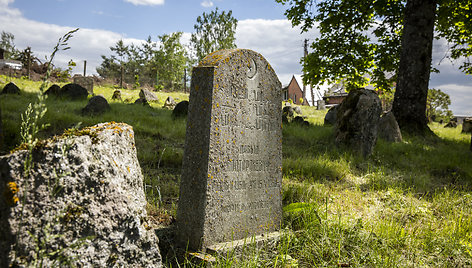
(408, 205)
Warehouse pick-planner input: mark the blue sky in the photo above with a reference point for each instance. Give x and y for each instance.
(262, 27)
(151, 17)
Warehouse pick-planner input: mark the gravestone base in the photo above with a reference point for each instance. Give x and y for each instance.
(264, 245)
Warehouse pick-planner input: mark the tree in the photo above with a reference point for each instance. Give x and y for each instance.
(437, 107)
(379, 42)
(213, 31)
(8, 45)
(147, 63)
(171, 61)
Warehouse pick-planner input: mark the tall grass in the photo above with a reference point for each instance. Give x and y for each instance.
(408, 205)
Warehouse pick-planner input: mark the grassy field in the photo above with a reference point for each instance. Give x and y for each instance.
(408, 205)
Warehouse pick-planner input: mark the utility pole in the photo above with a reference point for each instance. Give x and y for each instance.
(121, 77)
(185, 80)
(28, 61)
(305, 46)
(305, 49)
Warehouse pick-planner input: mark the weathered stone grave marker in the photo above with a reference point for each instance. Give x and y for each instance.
(232, 167)
(86, 82)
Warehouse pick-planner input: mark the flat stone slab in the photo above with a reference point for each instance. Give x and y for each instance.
(238, 249)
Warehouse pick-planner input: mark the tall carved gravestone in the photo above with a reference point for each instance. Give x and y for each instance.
(232, 167)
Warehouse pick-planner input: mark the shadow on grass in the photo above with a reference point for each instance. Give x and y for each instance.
(419, 164)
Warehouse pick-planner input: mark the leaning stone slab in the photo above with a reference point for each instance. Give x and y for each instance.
(83, 199)
(357, 121)
(388, 128)
(467, 125)
(232, 166)
(148, 95)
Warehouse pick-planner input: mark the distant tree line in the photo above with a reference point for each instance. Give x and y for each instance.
(166, 64)
(160, 65)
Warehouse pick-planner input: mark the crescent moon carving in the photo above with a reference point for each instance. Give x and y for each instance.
(252, 69)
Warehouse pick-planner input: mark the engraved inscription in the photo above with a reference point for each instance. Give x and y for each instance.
(240, 185)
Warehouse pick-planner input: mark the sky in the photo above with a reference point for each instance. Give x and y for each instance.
(262, 27)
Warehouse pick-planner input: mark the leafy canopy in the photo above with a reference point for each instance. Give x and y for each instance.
(159, 64)
(213, 31)
(437, 107)
(360, 40)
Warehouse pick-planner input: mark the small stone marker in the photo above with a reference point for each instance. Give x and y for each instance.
(232, 167)
(86, 82)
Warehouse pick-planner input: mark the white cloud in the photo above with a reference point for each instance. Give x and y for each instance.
(276, 40)
(7, 11)
(145, 2)
(86, 44)
(206, 3)
(461, 98)
(279, 43)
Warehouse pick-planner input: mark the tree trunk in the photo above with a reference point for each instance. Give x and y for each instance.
(409, 105)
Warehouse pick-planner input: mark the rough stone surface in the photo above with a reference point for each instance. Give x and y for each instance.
(96, 105)
(1, 130)
(300, 120)
(85, 186)
(141, 101)
(181, 109)
(85, 82)
(357, 121)
(331, 115)
(74, 91)
(148, 95)
(232, 166)
(467, 125)
(388, 128)
(11, 88)
(287, 113)
(116, 95)
(169, 103)
(451, 124)
(54, 90)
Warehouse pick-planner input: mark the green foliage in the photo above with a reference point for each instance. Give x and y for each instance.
(213, 31)
(360, 39)
(455, 25)
(161, 67)
(63, 75)
(172, 61)
(410, 204)
(437, 106)
(136, 81)
(357, 39)
(8, 45)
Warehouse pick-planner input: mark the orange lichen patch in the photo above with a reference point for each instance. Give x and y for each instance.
(11, 189)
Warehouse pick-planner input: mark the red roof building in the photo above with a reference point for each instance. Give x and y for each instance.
(294, 92)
